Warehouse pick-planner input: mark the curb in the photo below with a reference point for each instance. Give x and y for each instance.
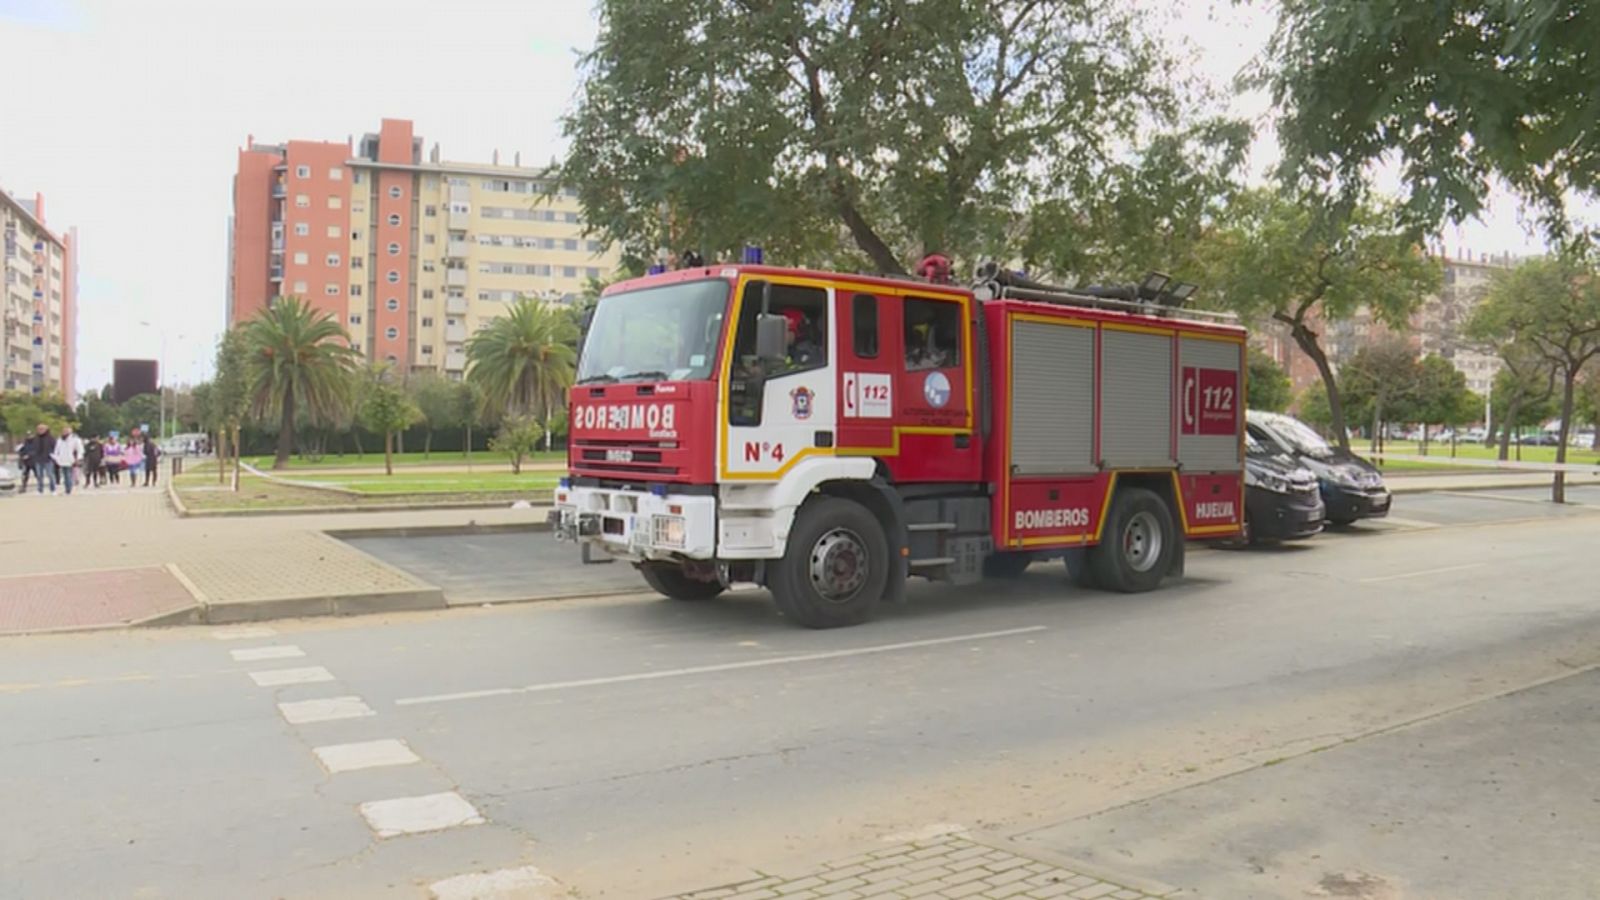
(402, 600)
(353, 508)
(410, 531)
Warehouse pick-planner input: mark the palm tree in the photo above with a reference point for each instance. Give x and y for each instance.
(523, 362)
(299, 359)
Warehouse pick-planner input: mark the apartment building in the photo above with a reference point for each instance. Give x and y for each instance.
(38, 300)
(411, 254)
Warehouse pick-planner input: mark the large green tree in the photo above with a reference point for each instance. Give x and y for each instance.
(1267, 385)
(386, 408)
(1455, 92)
(435, 399)
(1552, 306)
(1303, 264)
(1381, 383)
(230, 399)
(1442, 397)
(299, 361)
(906, 126)
(523, 362)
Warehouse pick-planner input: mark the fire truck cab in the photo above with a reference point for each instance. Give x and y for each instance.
(829, 435)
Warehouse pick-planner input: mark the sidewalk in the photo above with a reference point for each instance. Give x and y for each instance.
(1411, 483)
(231, 569)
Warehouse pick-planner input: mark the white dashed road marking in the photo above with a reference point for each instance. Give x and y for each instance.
(365, 755)
(277, 677)
(525, 883)
(720, 667)
(327, 709)
(276, 651)
(1423, 572)
(412, 815)
(243, 632)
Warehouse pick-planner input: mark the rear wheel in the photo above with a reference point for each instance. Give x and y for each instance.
(669, 580)
(1006, 565)
(1138, 543)
(836, 566)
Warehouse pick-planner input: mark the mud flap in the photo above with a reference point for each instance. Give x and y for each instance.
(1178, 554)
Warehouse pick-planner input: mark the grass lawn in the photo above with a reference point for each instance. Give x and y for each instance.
(435, 482)
(438, 458)
(200, 491)
(1478, 451)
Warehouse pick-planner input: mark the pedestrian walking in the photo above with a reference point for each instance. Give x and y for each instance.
(113, 460)
(25, 463)
(37, 451)
(152, 456)
(93, 458)
(67, 456)
(133, 456)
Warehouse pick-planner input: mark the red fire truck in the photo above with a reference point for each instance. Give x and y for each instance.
(830, 435)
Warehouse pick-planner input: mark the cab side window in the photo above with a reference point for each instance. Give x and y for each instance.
(805, 311)
(933, 334)
(864, 325)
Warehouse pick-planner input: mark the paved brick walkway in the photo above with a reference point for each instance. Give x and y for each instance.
(78, 599)
(951, 866)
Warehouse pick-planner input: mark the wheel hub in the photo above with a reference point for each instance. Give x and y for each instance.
(839, 565)
(1141, 541)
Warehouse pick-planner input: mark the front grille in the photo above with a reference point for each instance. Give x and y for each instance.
(625, 458)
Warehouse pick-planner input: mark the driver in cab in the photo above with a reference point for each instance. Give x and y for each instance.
(801, 351)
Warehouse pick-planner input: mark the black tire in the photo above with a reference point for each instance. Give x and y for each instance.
(1138, 544)
(668, 580)
(1006, 565)
(1078, 569)
(833, 541)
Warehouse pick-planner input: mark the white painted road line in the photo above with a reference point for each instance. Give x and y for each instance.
(719, 667)
(1419, 574)
(338, 758)
(412, 815)
(278, 677)
(1408, 523)
(327, 709)
(243, 632)
(525, 883)
(276, 651)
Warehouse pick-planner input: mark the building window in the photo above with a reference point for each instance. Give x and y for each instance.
(592, 272)
(391, 304)
(356, 346)
(301, 258)
(299, 287)
(427, 265)
(427, 293)
(355, 291)
(355, 235)
(335, 231)
(394, 249)
(393, 277)
(302, 200)
(569, 271)
(355, 262)
(394, 218)
(358, 206)
(391, 332)
(569, 244)
(595, 246)
(335, 201)
(430, 210)
(427, 239)
(333, 260)
(302, 171)
(302, 229)
(355, 318)
(332, 290)
(358, 177)
(395, 191)
(427, 349)
(336, 173)
(427, 321)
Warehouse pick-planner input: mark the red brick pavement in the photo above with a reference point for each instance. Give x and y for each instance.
(86, 599)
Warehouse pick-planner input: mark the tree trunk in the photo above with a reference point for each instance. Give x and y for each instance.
(285, 433)
(238, 458)
(1307, 341)
(467, 450)
(220, 451)
(400, 440)
(388, 453)
(1558, 487)
(1513, 410)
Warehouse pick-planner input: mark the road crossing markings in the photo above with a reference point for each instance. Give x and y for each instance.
(326, 709)
(274, 651)
(243, 632)
(338, 758)
(719, 667)
(280, 677)
(414, 815)
(1419, 574)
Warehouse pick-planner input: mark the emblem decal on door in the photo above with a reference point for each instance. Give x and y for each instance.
(936, 390)
(802, 397)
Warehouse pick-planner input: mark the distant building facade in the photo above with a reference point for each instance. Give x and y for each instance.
(411, 255)
(39, 290)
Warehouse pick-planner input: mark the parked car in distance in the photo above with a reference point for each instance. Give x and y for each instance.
(8, 478)
(1281, 499)
(1351, 487)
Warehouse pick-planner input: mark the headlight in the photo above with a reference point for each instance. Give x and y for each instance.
(667, 531)
(1266, 481)
(1343, 478)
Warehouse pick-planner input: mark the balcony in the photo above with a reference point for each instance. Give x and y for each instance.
(460, 217)
(275, 273)
(455, 277)
(455, 306)
(455, 334)
(455, 250)
(279, 191)
(455, 361)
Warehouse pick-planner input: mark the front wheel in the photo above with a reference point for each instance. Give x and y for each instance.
(1138, 544)
(669, 580)
(836, 566)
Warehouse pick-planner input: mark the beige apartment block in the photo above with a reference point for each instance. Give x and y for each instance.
(38, 300)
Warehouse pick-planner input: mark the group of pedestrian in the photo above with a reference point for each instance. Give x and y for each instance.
(66, 460)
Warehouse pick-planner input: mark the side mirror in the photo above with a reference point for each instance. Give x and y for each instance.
(771, 334)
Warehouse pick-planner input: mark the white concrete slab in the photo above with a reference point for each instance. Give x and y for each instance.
(278, 677)
(524, 883)
(243, 632)
(414, 815)
(365, 755)
(274, 651)
(326, 709)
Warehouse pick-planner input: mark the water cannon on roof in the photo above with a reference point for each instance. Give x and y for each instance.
(1157, 294)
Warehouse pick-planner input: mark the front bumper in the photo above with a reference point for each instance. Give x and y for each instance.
(637, 525)
(1348, 504)
(1283, 517)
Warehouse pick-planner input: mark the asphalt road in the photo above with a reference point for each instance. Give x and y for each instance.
(634, 747)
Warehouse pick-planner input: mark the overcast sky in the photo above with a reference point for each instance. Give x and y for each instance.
(135, 110)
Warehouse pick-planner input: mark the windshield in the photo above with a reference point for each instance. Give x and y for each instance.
(1299, 436)
(666, 333)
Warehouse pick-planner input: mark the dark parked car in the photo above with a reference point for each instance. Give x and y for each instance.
(1352, 488)
(1281, 500)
